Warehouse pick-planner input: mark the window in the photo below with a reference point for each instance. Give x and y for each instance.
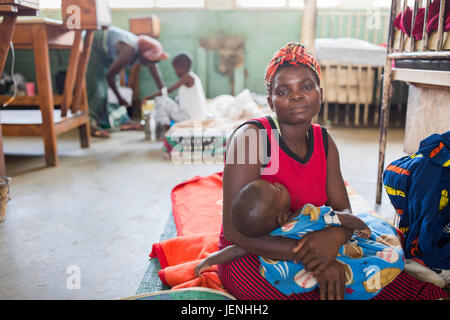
(283, 3)
(49, 4)
(351, 4)
(238, 4)
(261, 3)
(131, 4)
(270, 3)
(56, 4)
(296, 3)
(180, 3)
(382, 3)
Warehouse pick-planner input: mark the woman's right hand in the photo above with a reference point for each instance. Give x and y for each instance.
(331, 282)
(316, 250)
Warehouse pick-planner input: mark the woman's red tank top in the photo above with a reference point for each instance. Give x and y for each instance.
(305, 179)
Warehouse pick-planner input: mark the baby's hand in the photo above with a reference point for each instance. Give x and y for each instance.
(363, 233)
(200, 268)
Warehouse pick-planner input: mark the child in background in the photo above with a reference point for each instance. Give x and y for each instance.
(372, 259)
(191, 101)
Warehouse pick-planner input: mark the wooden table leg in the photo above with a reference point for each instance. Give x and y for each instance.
(8, 25)
(2, 156)
(79, 101)
(45, 93)
(81, 72)
(85, 129)
(72, 70)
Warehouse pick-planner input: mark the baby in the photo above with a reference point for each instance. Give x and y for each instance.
(263, 208)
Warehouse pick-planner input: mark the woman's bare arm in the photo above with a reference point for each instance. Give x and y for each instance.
(242, 166)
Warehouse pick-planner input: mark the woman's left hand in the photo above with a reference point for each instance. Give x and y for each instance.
(332, 282)
(316, 250)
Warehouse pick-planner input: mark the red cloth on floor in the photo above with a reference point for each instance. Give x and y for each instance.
(197, 205)
(179, 256)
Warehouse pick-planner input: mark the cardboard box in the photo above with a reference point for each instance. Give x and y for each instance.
(149, 26)
(86, 14)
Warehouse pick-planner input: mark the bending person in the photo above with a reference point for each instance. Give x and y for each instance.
(112, 50)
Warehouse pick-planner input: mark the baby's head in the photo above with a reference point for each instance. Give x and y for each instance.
(260, 208)
(182, 63)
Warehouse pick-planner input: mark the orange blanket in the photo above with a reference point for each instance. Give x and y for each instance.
(197, 205)
(179, 256)
(197, 212)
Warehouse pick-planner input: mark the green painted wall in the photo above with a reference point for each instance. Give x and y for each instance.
(264, 32)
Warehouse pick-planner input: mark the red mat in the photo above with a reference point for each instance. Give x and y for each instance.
(197, 205)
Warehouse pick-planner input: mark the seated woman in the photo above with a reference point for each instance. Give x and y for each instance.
(301, 156)
(371, 260)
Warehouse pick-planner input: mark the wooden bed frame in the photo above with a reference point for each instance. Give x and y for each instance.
(400, 46)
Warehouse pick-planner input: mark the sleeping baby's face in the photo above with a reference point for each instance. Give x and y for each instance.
(261, 207)
(280, 202)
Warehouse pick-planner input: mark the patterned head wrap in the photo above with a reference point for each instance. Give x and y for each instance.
(293, 53)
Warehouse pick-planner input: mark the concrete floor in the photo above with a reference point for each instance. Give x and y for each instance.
(95, 217)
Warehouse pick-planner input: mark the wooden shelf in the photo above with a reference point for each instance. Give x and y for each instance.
(28, 101)
(30, 4)
(28, 126)
(58, 37)
(430, 77)
(20, 7)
